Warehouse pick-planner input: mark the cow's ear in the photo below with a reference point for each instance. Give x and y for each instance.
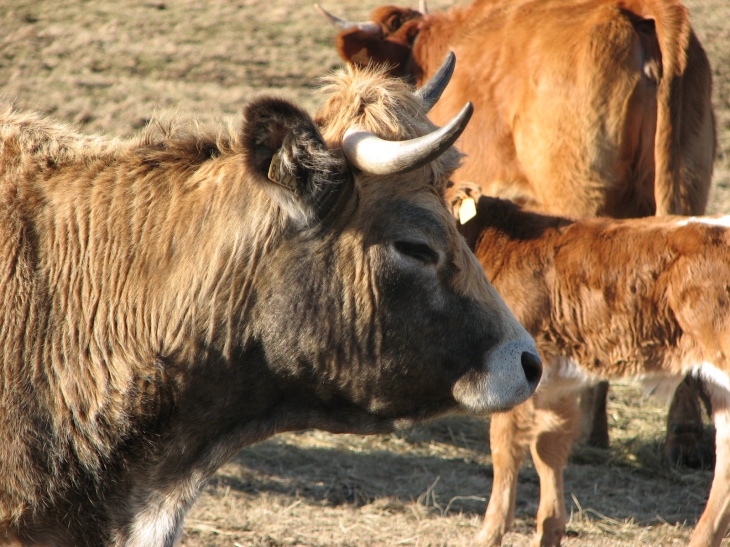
(358, 47)
(286, 153)
(362, 48)
(462, 199)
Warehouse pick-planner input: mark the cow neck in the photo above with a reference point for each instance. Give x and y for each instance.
(432, 43)
(502, 227)
(412, 71)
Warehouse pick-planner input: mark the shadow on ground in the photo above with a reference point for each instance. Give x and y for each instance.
(630, 480)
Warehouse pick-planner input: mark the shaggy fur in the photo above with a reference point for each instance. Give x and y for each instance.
(164, 304)
(645, 298)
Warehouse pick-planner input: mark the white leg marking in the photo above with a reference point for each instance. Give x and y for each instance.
(158, 521)
(157, 525)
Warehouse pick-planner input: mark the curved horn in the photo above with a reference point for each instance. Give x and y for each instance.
(344, 24)
(431, 91)
(423, 7)
(376, 156)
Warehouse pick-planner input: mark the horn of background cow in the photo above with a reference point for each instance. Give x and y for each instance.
(344, 24)
(431, 91)
(423, 7)
(376, 156)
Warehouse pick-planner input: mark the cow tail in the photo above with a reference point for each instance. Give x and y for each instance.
(673, 32)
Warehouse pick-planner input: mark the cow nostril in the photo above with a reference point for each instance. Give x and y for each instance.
(532, 366)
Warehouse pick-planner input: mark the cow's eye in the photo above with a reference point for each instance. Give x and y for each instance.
(418, 250)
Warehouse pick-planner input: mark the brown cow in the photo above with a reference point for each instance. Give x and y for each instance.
(643, 298)
(170, 299)
(583, 107)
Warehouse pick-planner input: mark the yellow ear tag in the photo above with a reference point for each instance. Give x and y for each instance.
(468, 210)
(278, 175)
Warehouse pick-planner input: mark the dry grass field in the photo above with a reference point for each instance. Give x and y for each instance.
(109, 66)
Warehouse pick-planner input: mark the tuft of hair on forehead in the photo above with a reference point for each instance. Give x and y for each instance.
(386, 106)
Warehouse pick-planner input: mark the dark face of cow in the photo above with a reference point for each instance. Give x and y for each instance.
(387, 39)
(371, 306)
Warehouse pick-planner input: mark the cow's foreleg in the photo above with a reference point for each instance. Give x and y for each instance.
(556, 428)
(716, 517)
(509, 435)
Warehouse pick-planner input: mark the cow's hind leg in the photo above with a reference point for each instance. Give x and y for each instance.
(594, 419)
(510, 435)
(715, 519)
(556, 426)
(685, 440)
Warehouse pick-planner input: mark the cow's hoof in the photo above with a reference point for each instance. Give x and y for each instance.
(488, 538)
(553, 531)
(545, 541)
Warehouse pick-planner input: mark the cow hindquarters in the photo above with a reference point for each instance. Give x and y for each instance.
(716, 517)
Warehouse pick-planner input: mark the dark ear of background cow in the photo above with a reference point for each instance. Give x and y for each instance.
(362, 48)
(286, 151)
(393, 47)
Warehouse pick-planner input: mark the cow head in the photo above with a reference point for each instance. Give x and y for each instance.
(387, 39)
(372, 306)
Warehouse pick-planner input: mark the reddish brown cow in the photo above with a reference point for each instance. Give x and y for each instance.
(167, 300)
(583, 107)
(603, 298)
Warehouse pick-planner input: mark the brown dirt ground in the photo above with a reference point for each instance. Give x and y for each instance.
(108, 66)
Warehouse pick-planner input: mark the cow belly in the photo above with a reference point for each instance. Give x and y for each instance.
(566, 377)
(712, 375)
(563, 378)
(664, 384)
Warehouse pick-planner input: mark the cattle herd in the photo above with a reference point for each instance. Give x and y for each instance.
(174, 297)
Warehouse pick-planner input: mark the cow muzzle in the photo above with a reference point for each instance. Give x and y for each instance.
(509, 376)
